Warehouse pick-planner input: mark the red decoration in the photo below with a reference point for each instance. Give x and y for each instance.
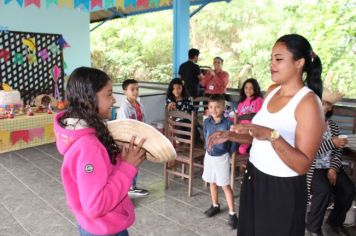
(95, 3)
(18, 135)
(5, 54)
(34, 2)
(143, 3)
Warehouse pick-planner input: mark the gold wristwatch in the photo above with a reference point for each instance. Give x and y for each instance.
(274, 135)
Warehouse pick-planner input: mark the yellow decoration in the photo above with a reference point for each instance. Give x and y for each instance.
(120, 4)
(6, 87)
(66, 3)
(165, 3)
(49, 132)
(4, 137)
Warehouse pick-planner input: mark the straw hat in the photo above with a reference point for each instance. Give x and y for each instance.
(331, 96)
(158, 147)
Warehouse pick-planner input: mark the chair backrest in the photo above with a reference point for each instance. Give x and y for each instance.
(200, 104)
(179, 127)
(345, 119)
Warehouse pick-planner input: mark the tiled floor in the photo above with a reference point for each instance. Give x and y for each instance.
(32, 200)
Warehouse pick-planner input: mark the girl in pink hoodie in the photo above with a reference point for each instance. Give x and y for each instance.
(95, 173)
(249, 104)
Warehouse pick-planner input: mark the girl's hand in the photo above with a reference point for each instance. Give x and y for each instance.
(217, 138)
(256, 131)
(332, 175)
(171, 106)
(339, 142)
(134, 155)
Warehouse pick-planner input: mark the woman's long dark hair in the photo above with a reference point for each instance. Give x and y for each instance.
(82, 86)
(256, 90)
(301, 48)
(170, 94)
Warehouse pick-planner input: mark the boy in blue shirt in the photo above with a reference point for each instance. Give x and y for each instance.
(217, 159)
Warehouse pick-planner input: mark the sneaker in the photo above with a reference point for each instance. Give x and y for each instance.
(232, 221)
(212, 211)
(138, 191)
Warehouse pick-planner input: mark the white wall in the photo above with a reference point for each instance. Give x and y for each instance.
(71, 23)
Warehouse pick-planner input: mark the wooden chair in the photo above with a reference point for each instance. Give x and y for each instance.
(345, 119)
(179, 129)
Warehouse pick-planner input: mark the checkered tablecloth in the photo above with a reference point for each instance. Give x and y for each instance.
(26, 131)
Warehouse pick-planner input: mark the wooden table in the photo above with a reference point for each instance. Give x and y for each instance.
(26, 131)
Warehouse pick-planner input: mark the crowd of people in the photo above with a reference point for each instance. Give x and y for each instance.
(288, 134)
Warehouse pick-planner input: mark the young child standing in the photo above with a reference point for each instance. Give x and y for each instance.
(177, 97)
(217, 159)
(95, 174)
(132, 109)
(249, 104)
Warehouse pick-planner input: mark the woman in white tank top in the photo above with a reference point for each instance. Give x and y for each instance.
(285, 134)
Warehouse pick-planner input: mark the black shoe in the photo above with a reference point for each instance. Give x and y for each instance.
(232, 221)
(338, 229)
(212, 211)
(138, 192)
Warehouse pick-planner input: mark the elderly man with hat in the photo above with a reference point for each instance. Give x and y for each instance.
(327, 176)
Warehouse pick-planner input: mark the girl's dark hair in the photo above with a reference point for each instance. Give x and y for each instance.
(82, 86)
(301, 48)
(256, 90)
(170, 94)
(329, 114)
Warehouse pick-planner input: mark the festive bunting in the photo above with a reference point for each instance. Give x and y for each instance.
(65, 65)
(18, 135)
(97, 3)
(35, 132)
(82, 4)
(49, 2)
(120, 4)
(4, 137)
(32, 59)
(20, 2)
(7, 1)
(4, 54)
(30, 43)
(18, 58)
(53, 48)
(154, 3)
(142, 3)
(164, 3)
(34, 2)
(129, 3)
(4, 29)
(55, 72)
(109, 3)
(62, 43)
(43, 54)
(49, 133)
(66, 3)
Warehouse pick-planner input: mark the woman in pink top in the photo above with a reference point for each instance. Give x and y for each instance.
(249, 104)
(96, 175)
(215, 81)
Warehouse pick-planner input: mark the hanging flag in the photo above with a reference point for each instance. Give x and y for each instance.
(164, 3)
(32, 59)
(62, 43)
(35, 132)
(43, 54)
(98, 3)
(154, 3)
(66, 3)
(18, 59)
(109, 3)
(53, 48)
(120, 4)
(4, 29)
(7, 1)
(20, 2)
(4, 54)
(18, 135)
(30, 43)
(34, 2)
(81, 4)
(142, 3)
(4, 137)
(49, 2)
(49, 131)
(131, 3)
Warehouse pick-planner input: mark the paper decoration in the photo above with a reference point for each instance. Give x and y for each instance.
(35, 132)
(129, 3)
(49, 2)
(164, 3)
(30, 43)
(34, 2)
(66, 3)
(4, 29)
(48, 130)
(4, 54)
(4, 137)
(62, 43)
(43, 54)
(154, 3)
(96, 3)
(18, 58)
(53, 48)
(32, 59)
(109, 3)
(19, 135)
(120, 4)
(143, 3)
(20, 2)
(82, 4)
(55, 73)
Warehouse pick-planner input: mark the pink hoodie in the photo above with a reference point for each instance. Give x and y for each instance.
(248, 106)
(96, 190)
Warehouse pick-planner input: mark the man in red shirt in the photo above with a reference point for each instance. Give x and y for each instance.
(215, 81)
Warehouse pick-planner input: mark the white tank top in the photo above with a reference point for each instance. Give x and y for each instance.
(262, 154)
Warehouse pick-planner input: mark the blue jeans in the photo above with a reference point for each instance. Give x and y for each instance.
(83, 232)
(134, 181)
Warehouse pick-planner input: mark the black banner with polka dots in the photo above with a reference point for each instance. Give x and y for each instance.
(28, 62)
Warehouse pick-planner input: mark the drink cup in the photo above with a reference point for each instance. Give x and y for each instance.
(342, 136)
